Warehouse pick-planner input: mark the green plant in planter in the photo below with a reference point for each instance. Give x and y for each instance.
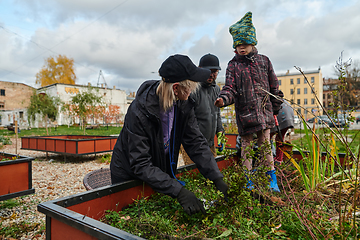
(3, 158)
(328, 173)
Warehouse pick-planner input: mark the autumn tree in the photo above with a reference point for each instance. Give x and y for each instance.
(44, 105)
(113, 113)
(56, 70)
(86, 104)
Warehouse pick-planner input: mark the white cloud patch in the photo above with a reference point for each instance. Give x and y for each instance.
(128, 40)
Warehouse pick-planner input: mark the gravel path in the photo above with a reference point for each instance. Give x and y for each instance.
(52, 179)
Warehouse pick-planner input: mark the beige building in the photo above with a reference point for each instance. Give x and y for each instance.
(14, 100)
(303, 91)
(296, 90)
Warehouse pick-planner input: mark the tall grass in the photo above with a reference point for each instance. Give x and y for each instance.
(327, 174)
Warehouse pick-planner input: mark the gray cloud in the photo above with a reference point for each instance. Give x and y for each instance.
(128, 40)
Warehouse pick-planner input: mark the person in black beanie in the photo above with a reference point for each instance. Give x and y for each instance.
(157, 122)
(207, 114)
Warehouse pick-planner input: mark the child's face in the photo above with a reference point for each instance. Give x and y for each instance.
(244, 49)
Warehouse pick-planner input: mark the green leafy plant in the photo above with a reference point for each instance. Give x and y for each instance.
(5, 140)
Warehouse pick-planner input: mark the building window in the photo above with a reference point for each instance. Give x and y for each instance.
(21, 115)
(312, 79)
(305, 101)
(291, 91)
(2, 105)
(291, 81)
(312, 101)
(305, 81)
(279, 82)
(298, 81)
(299, 110)
(2, 92)
(298, 91)
(305, 90)
(298, 101)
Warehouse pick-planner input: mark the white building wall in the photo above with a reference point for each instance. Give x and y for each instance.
(65, 92)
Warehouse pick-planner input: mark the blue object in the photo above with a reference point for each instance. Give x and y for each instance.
(273, 181)
(249, 184)
(221, 147)
(171, 150)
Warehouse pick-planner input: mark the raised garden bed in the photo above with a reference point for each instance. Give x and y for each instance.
(69, 144)
(15, 176)
(76, 216)
(231, 140)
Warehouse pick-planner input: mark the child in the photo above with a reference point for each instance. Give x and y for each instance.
(250, 78)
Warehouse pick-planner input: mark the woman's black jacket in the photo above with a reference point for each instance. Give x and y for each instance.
(139, 151)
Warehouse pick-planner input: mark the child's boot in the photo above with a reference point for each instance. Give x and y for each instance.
(248, 176)
(273, 181)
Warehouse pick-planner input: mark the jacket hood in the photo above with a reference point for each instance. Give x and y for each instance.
(148, 100)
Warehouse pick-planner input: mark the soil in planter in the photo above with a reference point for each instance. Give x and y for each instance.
(247, 215)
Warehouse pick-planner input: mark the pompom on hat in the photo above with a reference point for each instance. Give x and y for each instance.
(243, 31)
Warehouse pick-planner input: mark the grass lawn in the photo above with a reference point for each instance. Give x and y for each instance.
(351, 137)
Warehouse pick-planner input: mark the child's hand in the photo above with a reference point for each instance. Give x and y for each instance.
(219, 102)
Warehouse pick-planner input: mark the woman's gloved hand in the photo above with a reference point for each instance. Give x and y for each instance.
(190, 203)
(220, 137)
(222, 187)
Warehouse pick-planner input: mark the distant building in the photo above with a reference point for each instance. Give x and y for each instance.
(297, 90)
(14, 101)
(111, 96)
(330, 85)
(303, 91)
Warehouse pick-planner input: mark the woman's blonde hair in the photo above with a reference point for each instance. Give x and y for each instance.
(166, 93)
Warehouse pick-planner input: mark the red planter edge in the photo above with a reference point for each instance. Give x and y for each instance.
(16, 177)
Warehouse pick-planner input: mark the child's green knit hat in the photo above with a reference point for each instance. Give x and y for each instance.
(243, 31)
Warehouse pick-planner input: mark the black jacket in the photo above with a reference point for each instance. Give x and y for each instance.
(207, 114)
(139, 151)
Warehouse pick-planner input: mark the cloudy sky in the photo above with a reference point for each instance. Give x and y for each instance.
(129, 39)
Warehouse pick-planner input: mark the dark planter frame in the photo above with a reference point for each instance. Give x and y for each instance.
(15, 177)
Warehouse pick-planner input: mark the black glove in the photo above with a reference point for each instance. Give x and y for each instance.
(190, 203)
(222, 187)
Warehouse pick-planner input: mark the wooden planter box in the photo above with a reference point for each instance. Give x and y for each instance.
(69, 144)
(297, 155)
(15, 176)
(231, 143)
(76, 216)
